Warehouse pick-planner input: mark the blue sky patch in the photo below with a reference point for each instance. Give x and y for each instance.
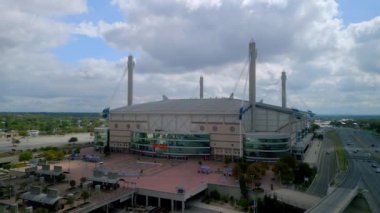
(354, 11)
(81, 46)
(97, 10)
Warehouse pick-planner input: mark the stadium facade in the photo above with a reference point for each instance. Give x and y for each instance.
(208, 127)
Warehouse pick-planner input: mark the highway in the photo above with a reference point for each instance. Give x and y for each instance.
(326, 170)
(340, 197)
(40, 141)
(361, 147)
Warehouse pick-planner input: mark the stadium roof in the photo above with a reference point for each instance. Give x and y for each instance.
(194, 106)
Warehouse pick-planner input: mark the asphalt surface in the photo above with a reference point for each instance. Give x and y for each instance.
(326, 170)
(340, 197)
(41, 141)
(361, 147)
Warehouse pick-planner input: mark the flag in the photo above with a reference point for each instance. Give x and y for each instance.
(106, 112)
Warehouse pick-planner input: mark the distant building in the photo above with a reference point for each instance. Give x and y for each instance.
(100, 137)
(36, 198)
(33, 133)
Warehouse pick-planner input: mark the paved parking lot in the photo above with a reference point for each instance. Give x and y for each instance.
(156, 173)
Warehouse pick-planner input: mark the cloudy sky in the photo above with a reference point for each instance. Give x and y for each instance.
(70, 56)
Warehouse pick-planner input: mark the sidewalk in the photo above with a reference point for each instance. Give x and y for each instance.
(296, 198)
(312, 154)
(212, 208)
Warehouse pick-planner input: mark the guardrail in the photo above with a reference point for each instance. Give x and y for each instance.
(195, 191)
(328, 204)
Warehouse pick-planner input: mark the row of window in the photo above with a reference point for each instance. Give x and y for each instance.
(215, 128)
(227, 151)
(201, 128)
(267, 147)
(172, 143)
(268, 141)
(119, 145)
(169, 136)
(171, 150)
(128, 126)
(269, 155)
(175, 143)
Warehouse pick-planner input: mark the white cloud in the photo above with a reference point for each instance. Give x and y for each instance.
(331, 67)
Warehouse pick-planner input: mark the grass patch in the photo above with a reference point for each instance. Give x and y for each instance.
(339, 149)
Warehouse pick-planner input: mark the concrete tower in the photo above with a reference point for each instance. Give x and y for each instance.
(283, 88)
(252, 81)
(201, 87)
(130, 65)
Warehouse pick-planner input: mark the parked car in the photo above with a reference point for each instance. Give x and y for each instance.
(378, 170)
(204, 169)
(374, 165)
(227, 171)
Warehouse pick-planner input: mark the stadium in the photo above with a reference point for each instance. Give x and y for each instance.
(209, 128)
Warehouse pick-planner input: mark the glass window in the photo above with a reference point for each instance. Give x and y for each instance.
(197, 144)
(266, 147)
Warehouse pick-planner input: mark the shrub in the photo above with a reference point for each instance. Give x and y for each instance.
(244, 203)
(225, 199)
(215, 195)
(73, 139)
(25, 156)
(227, 160)
(72, 183)
(206, 198)
(232, 200)
(85, 195)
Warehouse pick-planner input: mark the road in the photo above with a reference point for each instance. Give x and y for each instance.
(358, 144)
(340, 197)
(40, 141)
(326, 169)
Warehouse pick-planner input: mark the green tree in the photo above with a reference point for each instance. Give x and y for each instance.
(244, 203)
(82, 181)
(215, 195)
(85, 195)
(41, 210)
(15, 141)
(303, 171)
(70, 200)
(23, 133)
(236, 171)
(285, 168)
(243, 187)
(289, 160)
(72, 183)
(107, 150)
(25, 156)
(255, 171)
(284, 172)
(53, 154)
(239, 169)
(73, 139)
